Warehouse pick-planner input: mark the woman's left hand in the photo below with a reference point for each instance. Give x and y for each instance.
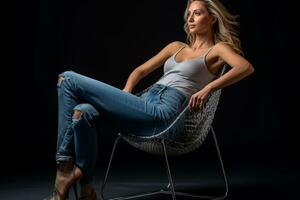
(197, 100)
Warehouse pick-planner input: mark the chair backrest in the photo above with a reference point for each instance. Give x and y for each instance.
(187, 132)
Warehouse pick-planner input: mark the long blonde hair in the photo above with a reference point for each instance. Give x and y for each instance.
(225, 27)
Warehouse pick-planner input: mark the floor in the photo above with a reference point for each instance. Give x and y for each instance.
(246, 180)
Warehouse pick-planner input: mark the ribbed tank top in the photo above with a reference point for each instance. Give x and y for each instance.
(188, 76)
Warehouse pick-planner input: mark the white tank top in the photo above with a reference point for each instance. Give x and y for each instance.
(188, 76)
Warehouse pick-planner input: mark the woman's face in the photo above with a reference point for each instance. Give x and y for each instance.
(198, 18)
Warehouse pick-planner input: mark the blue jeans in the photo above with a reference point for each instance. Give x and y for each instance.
(98, 102)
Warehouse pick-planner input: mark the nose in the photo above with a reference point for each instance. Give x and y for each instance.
(191, 18)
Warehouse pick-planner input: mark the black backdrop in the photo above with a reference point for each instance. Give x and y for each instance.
(106, 40)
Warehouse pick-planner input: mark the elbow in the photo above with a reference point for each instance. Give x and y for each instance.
(249, 69)
(140, 72)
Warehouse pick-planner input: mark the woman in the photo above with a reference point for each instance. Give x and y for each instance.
(190, 75)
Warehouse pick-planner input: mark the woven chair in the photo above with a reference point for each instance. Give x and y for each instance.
(196, 126)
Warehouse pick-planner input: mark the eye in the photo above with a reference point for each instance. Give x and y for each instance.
(198, 13)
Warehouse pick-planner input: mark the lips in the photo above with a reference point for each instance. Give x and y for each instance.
(192, 26)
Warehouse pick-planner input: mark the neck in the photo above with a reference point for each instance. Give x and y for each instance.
(202, 42)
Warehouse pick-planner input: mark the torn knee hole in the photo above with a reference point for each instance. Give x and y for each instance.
(60, 80)
(77, 114)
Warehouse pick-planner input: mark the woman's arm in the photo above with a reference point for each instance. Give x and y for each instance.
(156, 61)
(240, 69)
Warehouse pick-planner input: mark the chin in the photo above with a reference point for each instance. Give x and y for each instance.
(193, 31)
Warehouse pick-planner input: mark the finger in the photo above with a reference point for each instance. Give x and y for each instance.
(190, 104)
(198, 106)
(201, 106)
(194, 103)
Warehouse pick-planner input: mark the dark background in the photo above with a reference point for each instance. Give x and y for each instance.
(106, 40)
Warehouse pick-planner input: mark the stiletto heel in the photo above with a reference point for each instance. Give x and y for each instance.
(88, 193)
(67, 194)
(75, 191)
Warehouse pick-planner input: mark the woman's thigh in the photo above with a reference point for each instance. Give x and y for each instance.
(125, 111)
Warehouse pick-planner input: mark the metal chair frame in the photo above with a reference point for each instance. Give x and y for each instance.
(170, 186)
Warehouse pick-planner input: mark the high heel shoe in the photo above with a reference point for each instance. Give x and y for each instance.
(62, 197)
(67, 176)
(88, 193)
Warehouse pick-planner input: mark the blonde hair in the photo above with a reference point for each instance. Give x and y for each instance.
(224, 28)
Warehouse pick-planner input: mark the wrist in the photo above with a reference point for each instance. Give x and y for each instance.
(127, 89)
(209, 87)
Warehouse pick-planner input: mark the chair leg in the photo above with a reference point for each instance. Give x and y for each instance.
(169, 171)
(106, 176)
(221, 162)
(199, 196)
(108, 168)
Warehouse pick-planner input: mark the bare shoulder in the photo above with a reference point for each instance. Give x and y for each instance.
(222, 51)
(177, 44)
(172, 47)
(222, 46)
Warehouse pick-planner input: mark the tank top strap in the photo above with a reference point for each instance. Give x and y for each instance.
(179, 50)
(206, 53)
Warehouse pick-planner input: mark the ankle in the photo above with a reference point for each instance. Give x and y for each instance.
(65, 167)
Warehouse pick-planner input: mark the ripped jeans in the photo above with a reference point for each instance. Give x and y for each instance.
(142, 115)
